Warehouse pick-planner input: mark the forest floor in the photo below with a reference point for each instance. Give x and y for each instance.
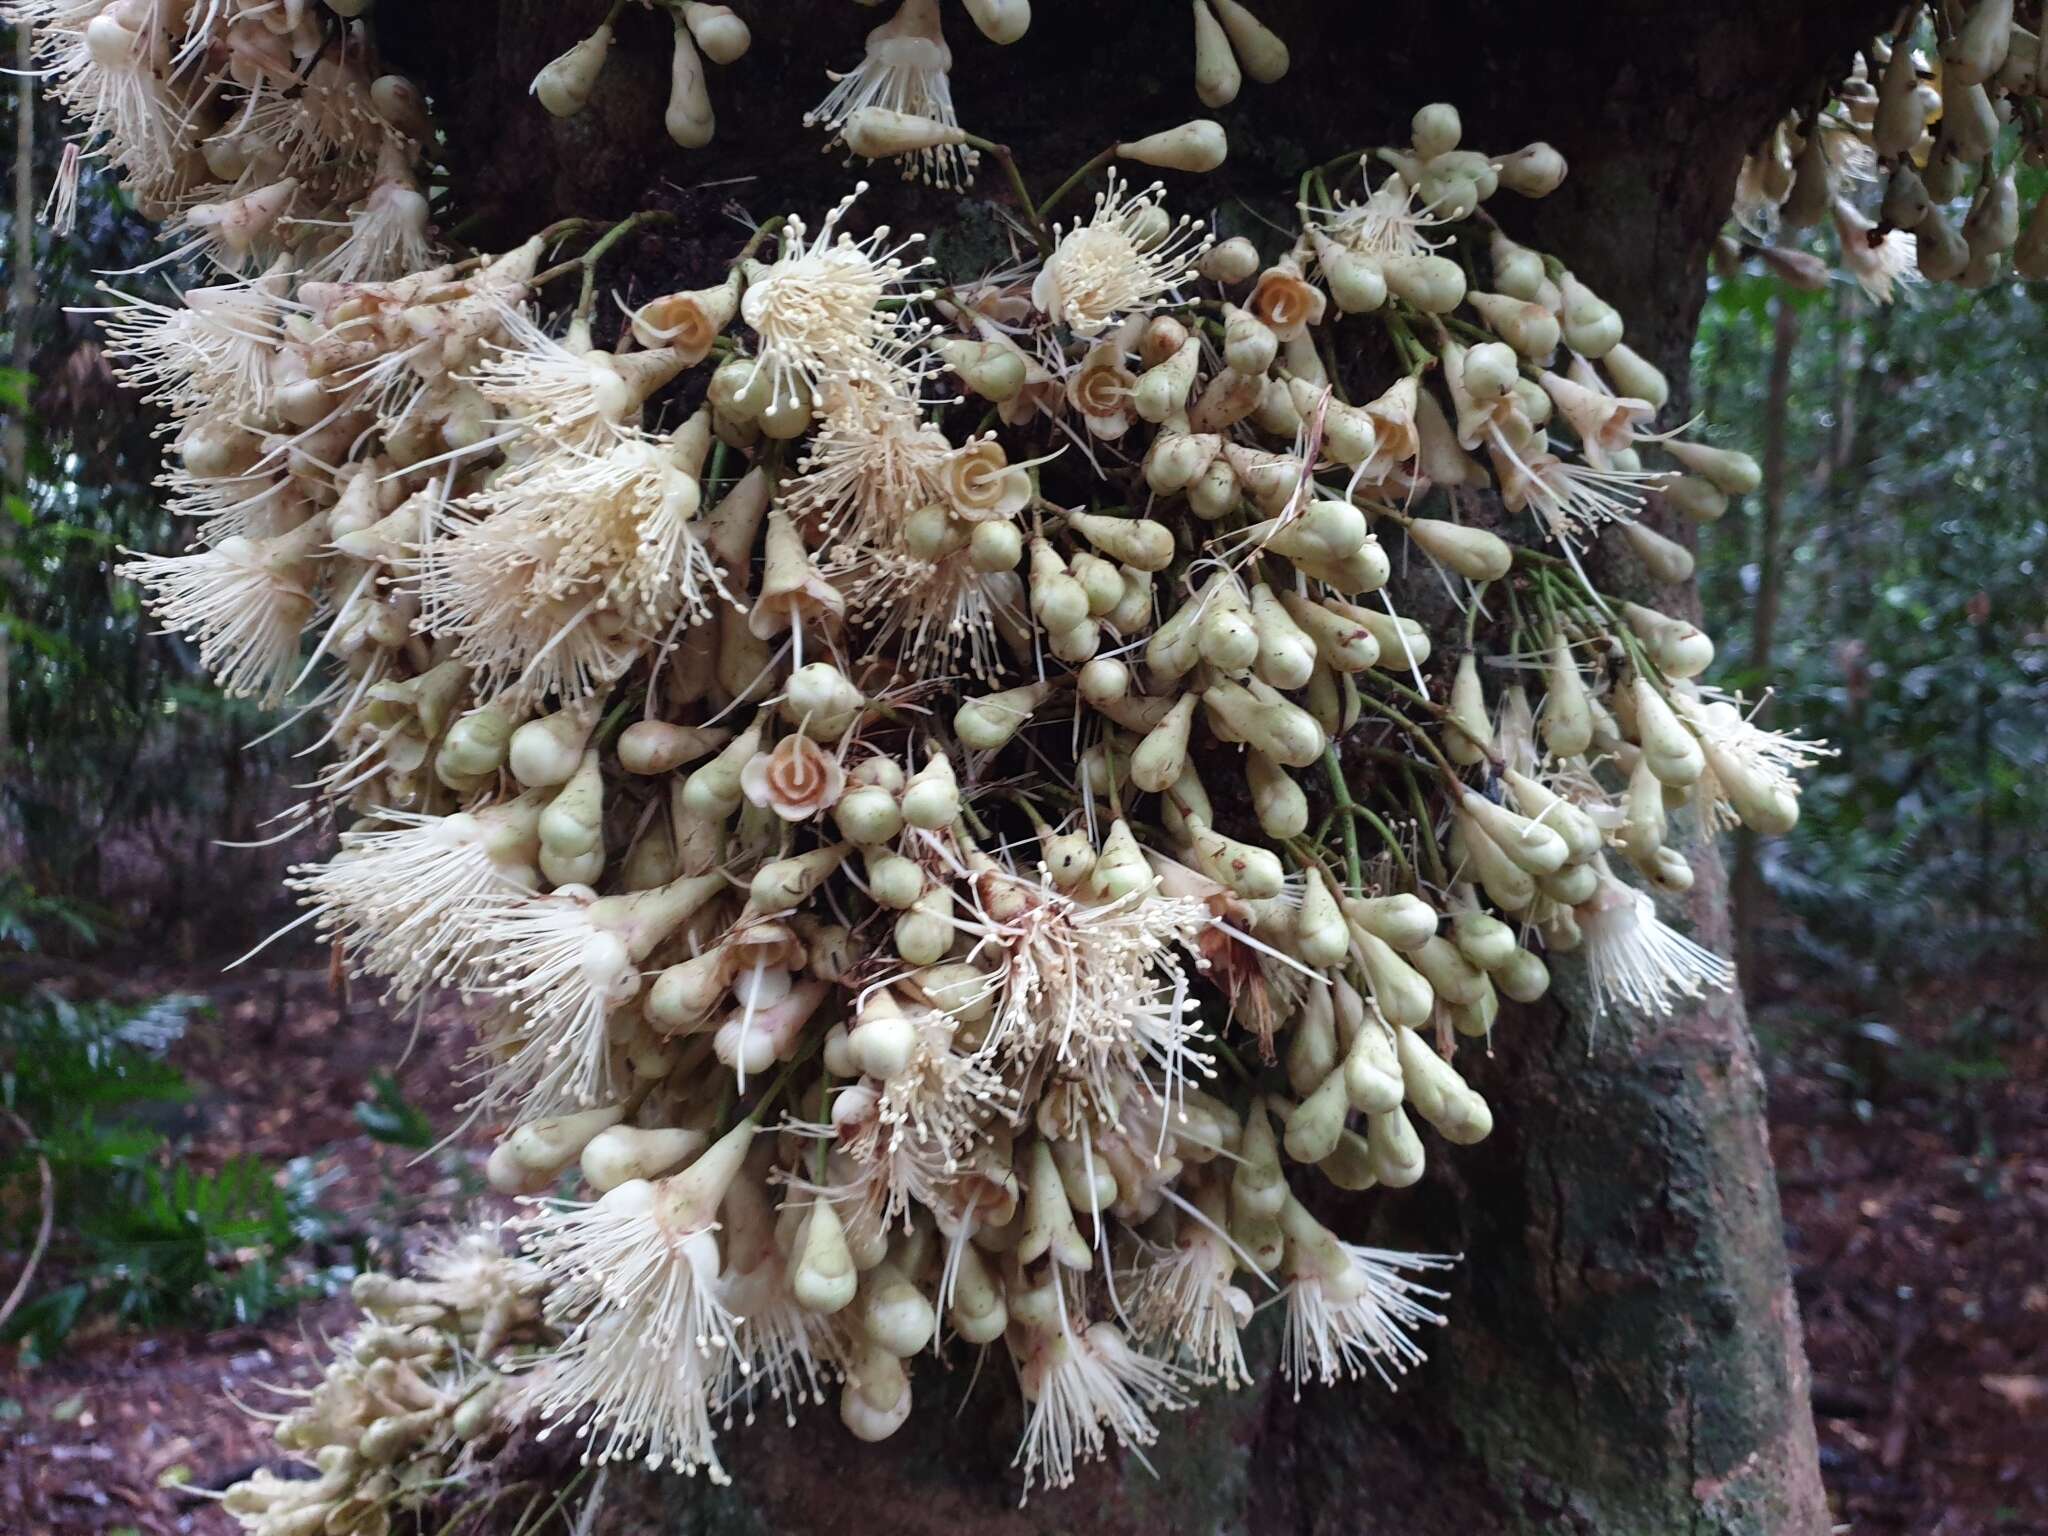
(1912, 1158)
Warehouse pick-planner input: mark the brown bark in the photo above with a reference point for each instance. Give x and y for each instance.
(1623, 1354)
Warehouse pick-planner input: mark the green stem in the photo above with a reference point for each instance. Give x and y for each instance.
(1033, 213)
(1340, 792)
(1415, 732)
(1088, 168)
(1426, 840)
(1393, 844)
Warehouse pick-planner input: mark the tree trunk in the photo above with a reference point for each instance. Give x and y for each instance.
(1770, 587)
(21, 304)
(1623, 1351)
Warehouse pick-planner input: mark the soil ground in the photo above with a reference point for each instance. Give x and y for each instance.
(1912, 1157)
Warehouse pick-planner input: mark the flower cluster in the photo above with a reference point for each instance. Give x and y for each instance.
(962, 866)
(1912, 164)
(407, 1395)
(250, 128)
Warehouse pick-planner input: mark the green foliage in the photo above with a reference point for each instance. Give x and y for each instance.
(145, 744)
(1913, 634)
(143, 1237)
(388, 1116)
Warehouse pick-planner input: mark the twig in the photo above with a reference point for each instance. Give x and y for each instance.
(42, 1243)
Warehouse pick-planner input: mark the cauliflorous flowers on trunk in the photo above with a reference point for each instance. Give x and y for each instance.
(1075, 860)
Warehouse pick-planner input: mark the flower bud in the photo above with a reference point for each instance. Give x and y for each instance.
(714, 789)
(1532, 845)
(565, 82)
(1433, 284)
(688, 118)
(931, 797)
(1356, 280)
(1534, 170)
(925, 932)
(995, 546)
(622, 1152)
(1696, 497)
(868, 816)
(1252, 872)
(823, 1279)
(986, 723)
(1230, 261)
(1517, 270)
(1258, 49)
(1000, 21)
(1672, 751)
(881, 133)
(1473, 553)
(1592, 326)
(1217, 77)
(894, 881)
(1402, 641)
(1194, 146)
(1529, 328)
(718, 30)
(547, 751)
(1278, 802)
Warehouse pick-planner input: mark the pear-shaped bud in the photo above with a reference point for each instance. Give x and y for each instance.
(1473, 553)
(1534, 170)
(882, 133)
(1217, 77)
(565, 82)
(1672, 751)
(1229, 262)
(1259, 50)
(688, 119)
(1592, 326)
(1200, 145)
(1530, 329)
(546, 752)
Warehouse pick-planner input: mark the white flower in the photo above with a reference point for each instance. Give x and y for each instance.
(1185, 1300)
(782, 1348)
(244, 602)
(561, 972)
(1749, 769)
(1877, 262)
(524, 627)
(934, 614)
(872, 462)
(1107, 267)
(386, 233)
(817, 309)
(904, 71)
(1350, 1309)
(566, 390)
(649, 1344)
(1079, 1384)
(1095, 995)
(1634, 959)
(403, 894)
(1386, 223)
(212, 353)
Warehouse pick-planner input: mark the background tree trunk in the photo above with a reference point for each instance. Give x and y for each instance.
(1770, 588)
(1623, 1354)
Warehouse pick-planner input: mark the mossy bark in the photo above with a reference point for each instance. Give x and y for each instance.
(1623, 1354)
